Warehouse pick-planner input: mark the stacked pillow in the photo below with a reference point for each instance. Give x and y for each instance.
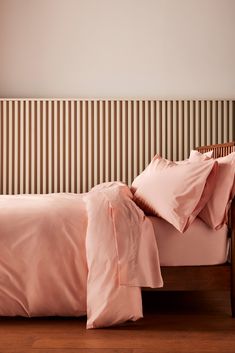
(181, 191)
(215, 211)
(196, 155)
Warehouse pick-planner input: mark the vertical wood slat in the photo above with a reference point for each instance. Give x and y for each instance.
(72, 145)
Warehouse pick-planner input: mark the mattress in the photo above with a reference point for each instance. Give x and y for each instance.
(199, 245)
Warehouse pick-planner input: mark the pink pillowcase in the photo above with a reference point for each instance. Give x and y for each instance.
(196, 155)
(215, 211)
(175, 192)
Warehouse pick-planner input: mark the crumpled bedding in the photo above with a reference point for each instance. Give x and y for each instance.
(76, 254)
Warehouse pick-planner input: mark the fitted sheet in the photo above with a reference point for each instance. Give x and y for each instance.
(199, 245)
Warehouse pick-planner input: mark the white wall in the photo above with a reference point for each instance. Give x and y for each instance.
(117, 48)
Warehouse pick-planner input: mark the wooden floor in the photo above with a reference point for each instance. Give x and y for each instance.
(174, 322)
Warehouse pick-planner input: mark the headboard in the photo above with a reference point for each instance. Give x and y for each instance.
(69, 145)
(219, 150)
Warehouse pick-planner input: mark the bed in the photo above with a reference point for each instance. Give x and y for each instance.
(47, 269)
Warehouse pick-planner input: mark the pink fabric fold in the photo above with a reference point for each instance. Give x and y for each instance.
(116, 247)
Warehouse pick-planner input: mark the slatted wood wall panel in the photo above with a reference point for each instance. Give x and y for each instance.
(70, 145)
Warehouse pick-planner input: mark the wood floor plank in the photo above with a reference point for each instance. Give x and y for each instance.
(83, 350)
(182, 322)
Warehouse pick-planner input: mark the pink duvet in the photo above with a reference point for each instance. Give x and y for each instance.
(70, 255)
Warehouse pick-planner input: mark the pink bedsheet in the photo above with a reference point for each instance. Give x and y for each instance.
(198, 246)
(69, 254)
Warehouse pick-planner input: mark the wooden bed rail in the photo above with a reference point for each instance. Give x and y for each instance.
(219, 150)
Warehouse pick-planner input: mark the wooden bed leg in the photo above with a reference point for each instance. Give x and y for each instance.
(233, 305)
(232, 290)
(233, 257)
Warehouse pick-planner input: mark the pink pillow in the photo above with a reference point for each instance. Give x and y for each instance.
(175, 192)
(195, 155)
(215, 211)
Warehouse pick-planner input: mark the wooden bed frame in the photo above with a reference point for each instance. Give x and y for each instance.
(216, 277)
